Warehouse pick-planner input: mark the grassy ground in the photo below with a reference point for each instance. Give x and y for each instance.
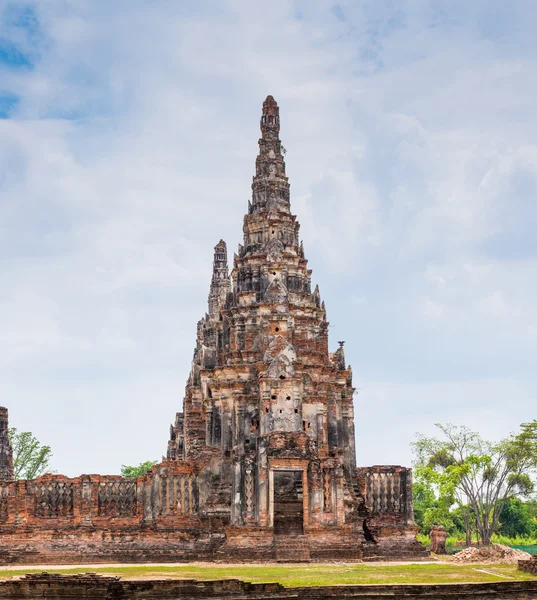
(306, 575)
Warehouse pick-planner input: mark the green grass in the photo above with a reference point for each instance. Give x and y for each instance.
(311, 575)
(519, 540)
(496, 539)
(527, 544)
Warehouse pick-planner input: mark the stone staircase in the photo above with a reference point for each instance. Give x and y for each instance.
(395, 550)
(292, 548)
(247, 544)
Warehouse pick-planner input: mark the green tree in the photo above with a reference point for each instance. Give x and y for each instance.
(477, 475)
(433, 504)
(30, 458)
(518, 518)
(136, 471)
(424, 501)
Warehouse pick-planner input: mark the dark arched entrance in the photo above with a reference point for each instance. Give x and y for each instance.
(288, 502)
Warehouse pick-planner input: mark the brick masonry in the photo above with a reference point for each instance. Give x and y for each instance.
(529, 566)
(6, 452)
(265, 444)
(94, 587)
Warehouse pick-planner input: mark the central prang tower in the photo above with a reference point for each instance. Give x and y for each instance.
(268, 410)
(261, 462)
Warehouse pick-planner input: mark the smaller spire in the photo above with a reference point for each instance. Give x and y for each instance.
(6, 451)
(316, 296)
(340, 357)
(220, 284)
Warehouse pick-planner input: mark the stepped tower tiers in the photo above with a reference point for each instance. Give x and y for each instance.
(261, 363)
(261, 462)
(268, 411)
(6, 452)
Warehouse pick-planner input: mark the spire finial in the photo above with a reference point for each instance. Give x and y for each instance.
(270, 187)
(270, 118)
(340, 356)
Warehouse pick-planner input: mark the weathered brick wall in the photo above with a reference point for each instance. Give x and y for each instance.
(93, 587)
(102, 501)
(6, 452)
(387, 490)
(95, 518)
(163, 516)
(529, 566)
(264, 395)
(504, 590)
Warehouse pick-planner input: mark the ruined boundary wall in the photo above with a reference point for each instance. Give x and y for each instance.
(93, 587)
(387, 491)
(165, 515)
(529, 566)
(95, 518)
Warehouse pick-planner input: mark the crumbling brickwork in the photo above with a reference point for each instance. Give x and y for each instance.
(267, 396)
(529, 566)
(6, 452)
(90, 586)
(262, 369)
(264, 448)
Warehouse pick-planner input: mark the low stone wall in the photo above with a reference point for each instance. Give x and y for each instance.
(167, 495)
(504, 590)
(95, 587)
(529, 566)
(164, 516)
(83, 546)
(95, 518)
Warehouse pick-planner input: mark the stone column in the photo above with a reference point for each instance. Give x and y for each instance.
(6, 452)
(306, 499)
(237, 492)
(409, 498)
(263, 519)
(271, 498)
(85, 501)
(339, 483)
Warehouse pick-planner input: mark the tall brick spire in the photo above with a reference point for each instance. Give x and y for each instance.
(270, 187)
(6, 452)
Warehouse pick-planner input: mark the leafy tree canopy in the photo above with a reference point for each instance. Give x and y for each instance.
(518, 519)
(30, 458)
(136, 471)
(478, 475)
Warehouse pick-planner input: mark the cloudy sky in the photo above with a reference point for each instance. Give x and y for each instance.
(128, 136)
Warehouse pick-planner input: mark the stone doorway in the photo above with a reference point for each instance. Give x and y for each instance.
(288, 502)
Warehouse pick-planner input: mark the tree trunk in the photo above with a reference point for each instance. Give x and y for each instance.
(467, 527)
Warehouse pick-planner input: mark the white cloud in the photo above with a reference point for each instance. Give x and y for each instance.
(410, 132)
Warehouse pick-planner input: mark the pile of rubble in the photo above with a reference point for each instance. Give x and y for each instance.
(497, 553)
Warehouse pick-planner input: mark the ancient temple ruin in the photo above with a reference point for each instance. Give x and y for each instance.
(261, 462)
(6, 451)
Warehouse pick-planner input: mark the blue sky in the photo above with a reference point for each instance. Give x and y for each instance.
(129, 134)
